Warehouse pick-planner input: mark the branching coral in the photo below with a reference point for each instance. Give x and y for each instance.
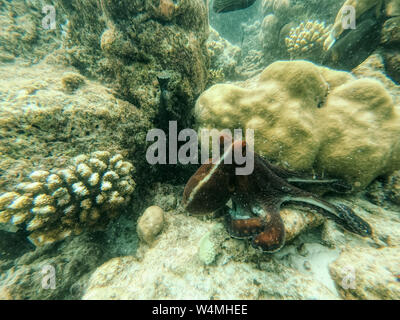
(224, 57)
(306, 38)
(58, 203)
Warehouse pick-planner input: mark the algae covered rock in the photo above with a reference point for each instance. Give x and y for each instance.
(72, 81)
(43, 127)
(21, 31)
(368, 273)
(128, 43)
(58, 271)
(312, 119)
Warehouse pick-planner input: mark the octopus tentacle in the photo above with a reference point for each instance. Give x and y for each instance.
(273, 236)
(342, 214)
(245, 228)
(257, 198)
(259, 219)
(334, 185)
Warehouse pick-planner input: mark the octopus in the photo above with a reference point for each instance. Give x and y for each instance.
(257, 198)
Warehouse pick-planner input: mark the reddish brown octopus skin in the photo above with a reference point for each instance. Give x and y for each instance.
(211, 185)
(258, 197)
(210, 195)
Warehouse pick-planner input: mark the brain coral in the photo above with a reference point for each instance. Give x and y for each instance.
(61, 202)
(311, 119)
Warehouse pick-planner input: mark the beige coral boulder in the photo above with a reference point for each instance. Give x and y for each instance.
(312, 119)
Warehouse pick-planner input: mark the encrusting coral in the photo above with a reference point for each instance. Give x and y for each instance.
(58, 203)
(311, 119)
(307, 38)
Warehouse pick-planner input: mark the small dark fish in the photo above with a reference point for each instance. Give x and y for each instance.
(231, 5)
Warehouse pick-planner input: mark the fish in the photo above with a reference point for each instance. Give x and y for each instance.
(220, 6)
(360, 7)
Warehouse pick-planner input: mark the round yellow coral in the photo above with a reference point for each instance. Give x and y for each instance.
(312, 119)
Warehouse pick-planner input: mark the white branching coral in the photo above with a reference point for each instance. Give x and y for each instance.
(307, 38)
(61, 202)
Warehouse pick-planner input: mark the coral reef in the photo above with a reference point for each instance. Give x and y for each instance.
(251, 64)
(150, 224)
(42, 126)
(224, 57)
(280, 17)
(133, 41)
(269, 30)
(313, 119)
(306, 40)
(137, 64)
(21, 32)
(58, 203)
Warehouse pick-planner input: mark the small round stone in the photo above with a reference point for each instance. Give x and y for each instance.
(150, 224)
